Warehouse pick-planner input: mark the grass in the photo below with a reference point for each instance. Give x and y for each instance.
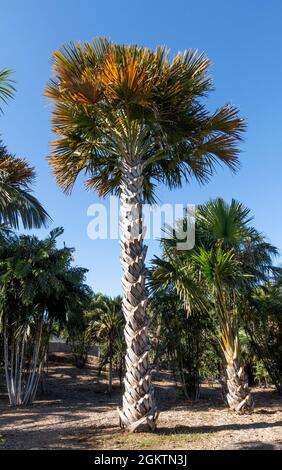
(158, 440)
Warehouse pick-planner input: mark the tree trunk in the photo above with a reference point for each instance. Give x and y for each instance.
(110, 375)
(110, 387)
(22, 382)
(238, 395)
(139, 410)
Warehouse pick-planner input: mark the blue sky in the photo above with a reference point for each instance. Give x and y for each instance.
(243, 40)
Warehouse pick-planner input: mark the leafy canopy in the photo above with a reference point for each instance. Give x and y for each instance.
(37, 277)
(118, 102)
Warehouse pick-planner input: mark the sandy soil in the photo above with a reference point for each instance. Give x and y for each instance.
(77, 413)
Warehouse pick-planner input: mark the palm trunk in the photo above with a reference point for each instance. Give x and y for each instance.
(6, 362)
(110, 388)
(34, 367)
(22, 384)
(110, 376)
(139, 410)
(238, 395)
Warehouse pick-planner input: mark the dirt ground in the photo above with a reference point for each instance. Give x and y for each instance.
(77, 413)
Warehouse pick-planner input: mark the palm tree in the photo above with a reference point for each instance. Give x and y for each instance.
(221, 271)
(16, 201)
(179, 338)
(108, 327)
(263, 323)
(80, 333)
(129, 117)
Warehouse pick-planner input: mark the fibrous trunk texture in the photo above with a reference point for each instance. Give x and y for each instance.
(238, 395)
(139, 410)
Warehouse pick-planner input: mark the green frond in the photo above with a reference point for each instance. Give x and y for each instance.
(17, 204)
(7, 88)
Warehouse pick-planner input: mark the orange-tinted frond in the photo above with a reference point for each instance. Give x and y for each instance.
(119, 101)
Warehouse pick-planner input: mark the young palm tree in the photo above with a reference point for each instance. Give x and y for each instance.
(221, 271)
(183, 350)
(129, 117)
(108, 328)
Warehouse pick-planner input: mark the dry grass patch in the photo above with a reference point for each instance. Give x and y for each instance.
(164, 439)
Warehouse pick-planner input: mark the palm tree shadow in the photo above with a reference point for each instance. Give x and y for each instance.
(216, 428)
(257, 445)
(265, 412)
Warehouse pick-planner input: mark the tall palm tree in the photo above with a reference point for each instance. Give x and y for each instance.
(129, 117)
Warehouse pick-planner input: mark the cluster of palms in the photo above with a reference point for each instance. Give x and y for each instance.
(128, 118)
(229, 262)
(39, 288)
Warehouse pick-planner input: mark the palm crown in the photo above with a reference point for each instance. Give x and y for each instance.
(117, 102)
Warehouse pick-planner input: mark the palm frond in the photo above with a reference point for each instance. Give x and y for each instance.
(7, 88)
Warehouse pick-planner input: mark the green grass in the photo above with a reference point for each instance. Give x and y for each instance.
(159, 440)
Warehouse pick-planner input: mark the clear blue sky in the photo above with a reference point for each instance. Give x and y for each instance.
(243, 39)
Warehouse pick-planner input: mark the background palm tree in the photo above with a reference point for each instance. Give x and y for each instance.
(108, 328)
(262, 316)
(99, 323)
(16, 176)
(179, 338)
(80, 332)
(222, 273)
(129, 117)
